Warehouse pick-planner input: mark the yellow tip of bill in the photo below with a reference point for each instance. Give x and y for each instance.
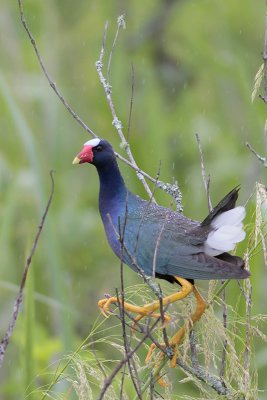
(76, 160)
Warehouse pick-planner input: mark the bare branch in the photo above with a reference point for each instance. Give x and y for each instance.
(207, 187)
(211, 380)
(260, 158)
(172, 190)
(116, 122)
(5, 341)
(102, 51)
(120, 24)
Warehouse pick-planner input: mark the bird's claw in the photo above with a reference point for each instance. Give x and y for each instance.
(104, 305)
(150, 352)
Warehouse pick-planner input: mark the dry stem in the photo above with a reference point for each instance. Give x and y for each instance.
(5, 341)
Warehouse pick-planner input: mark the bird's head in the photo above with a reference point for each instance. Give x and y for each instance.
(95, 151)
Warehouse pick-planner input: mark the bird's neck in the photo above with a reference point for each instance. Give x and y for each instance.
(112, 187)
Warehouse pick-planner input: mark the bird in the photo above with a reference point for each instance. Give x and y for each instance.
(156, 241)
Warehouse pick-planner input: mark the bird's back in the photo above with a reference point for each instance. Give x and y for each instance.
(162, 241)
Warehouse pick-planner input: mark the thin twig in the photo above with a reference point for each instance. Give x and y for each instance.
(207, 188)
(5, 341)
(120, 24)
(121, 309)
(116, 122)
(205, 180)
(158, 243)
(132, 369)
(260, 158)
(248, 296)
(162, 311)
(131, 364)
(102, 51)
(48, 76)
(223, 360)
(172, 190)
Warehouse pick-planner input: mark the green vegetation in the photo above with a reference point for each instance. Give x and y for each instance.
(194, 67)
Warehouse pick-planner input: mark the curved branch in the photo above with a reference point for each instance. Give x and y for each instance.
(5, 341)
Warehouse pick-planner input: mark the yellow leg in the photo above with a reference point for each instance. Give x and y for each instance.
(104, 306)
(148, 309)
(178, 337)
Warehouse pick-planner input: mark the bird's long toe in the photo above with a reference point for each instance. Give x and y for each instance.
(150, 352)
(104, 305)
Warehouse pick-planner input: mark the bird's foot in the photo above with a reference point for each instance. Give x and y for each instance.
(145, 311)
(104, 304)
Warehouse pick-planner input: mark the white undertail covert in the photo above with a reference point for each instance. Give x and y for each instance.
(227, 230)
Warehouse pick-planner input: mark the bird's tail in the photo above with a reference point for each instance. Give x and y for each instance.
(227, 231)
(226, 223)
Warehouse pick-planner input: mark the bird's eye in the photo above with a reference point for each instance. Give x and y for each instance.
(99, 148)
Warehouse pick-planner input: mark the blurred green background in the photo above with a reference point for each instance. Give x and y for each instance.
(194, 65)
